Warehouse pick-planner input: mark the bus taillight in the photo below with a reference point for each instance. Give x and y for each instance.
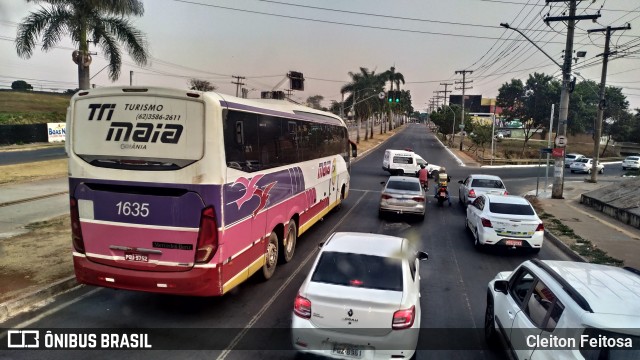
(76, 230)
(207, 236)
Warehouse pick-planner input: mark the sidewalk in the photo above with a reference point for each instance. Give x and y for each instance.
(579, 228)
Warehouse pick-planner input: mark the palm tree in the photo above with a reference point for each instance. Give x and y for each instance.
(394, 78)
(364, 84)
(101, 22)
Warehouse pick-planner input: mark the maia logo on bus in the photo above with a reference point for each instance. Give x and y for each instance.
(324, 169)
(142, 132)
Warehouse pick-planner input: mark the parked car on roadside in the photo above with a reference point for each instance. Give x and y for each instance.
(584, 165)
(510, 221)
(570, 158)
(631, 162)
(402, 195)
(594, 306)
(361, 299)
(478, 184)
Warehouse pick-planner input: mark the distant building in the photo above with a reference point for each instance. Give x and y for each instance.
(476, 104)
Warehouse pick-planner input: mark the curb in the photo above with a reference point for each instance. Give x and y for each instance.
(11, 308)
(563, 247)
(460, 162)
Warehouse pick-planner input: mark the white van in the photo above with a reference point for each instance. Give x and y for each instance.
(403, 162)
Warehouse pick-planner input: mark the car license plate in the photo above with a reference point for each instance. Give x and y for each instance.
(347, 350)
(514, 242)
(129, 256)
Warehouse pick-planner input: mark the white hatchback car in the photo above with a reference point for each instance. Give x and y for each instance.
(477, 184)
(504, 221)
(565, 310)
(361, 299)
(570, 158)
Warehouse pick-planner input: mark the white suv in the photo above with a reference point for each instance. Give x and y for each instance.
(565, 310)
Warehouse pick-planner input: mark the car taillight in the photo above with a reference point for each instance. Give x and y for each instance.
(505, 193)
(472, 193)
(76, 230)
(540, 227)
(418, 199)
(207, 236)
(486, 222)
(302, 307)
(403, 319)
(386, 196)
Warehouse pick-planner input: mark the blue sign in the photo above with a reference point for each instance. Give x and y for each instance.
(546, 150)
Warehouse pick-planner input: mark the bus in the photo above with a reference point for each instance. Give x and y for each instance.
(191, 193)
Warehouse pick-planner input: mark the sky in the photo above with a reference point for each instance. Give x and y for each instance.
(426, 41)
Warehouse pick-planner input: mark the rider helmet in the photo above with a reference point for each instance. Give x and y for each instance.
(422, 166)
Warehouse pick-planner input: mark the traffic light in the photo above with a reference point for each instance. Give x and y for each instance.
(296, 80)
(390, 96)
(397, 96)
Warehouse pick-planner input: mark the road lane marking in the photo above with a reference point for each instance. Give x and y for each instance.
(266, 306)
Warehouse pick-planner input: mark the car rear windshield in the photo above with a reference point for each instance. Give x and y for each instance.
(487, 183)
(633, 158)
(572, 156)
(513, 209)
(358, 270)
(403, 185)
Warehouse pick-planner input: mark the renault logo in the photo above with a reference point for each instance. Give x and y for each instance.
(350, 312)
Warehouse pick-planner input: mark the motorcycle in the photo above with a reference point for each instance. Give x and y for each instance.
(442, 195)
(424, 185)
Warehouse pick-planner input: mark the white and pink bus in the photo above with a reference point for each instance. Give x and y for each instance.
(187, 192)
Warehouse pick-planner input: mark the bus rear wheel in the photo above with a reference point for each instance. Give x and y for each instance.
(288, 246)
(271, 257)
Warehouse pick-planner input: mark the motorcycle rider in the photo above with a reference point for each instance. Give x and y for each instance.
(443, 183)
(423, 176)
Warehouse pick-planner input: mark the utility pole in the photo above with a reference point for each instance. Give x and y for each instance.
(446, 85)
(131, 78)
(443, 97)
(563, 113)
(238, 83)
(602, 104)
(464, 87)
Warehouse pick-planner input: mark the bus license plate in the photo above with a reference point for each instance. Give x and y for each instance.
(514, 242)
(129, 256)
(347, 350)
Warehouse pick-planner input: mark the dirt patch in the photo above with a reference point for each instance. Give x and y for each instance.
(40, 170)
(45, 251)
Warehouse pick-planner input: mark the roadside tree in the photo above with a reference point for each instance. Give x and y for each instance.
(201, 85)
(103, 23)
(21, 85)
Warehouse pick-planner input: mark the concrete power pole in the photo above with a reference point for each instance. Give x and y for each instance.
(602, 103)
(464, 87)
(558, 168)
(446, 85)
(238, 83)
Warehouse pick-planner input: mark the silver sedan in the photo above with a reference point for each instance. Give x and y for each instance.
(402, 195)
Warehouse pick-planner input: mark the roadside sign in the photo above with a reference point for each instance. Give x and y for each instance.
(557, 152)
(382, 95)
(561, 141)
(461, 126)
(545, 150)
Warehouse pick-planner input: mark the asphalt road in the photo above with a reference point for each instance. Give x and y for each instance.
(18, 157)
(256, 315)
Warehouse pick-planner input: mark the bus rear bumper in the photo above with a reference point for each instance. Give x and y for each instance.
(196, 281)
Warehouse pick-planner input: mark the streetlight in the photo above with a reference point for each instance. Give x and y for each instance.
(558, 172)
